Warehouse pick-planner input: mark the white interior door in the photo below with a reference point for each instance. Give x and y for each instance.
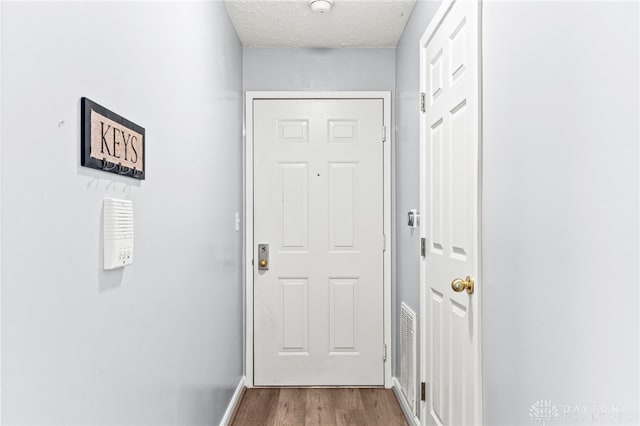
(450, 201)
(318, 204)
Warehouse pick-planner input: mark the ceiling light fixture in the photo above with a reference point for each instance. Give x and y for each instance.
(320, 6)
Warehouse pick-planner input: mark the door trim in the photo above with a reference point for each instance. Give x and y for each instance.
(389, 215)
(433, 26)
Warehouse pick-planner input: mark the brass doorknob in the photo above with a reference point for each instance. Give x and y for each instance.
(263, 263)
(458, 285)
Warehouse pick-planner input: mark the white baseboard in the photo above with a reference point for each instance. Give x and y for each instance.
(404, 405)
(235, 400)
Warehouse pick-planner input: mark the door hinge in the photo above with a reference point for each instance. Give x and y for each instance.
(384, 134)
(423, 103)
(423, 247)
(384, 242)
(423, 391)
(384, 351)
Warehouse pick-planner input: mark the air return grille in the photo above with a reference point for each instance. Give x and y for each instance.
(408, 382)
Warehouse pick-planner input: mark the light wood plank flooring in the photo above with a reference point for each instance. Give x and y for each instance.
(318, 406)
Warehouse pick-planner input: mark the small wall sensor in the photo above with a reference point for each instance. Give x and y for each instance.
(118, 233)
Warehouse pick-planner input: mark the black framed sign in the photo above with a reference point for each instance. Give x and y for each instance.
(110, 142)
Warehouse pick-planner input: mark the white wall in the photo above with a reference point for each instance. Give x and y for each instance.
(561, 119)
(408, 159)
(160, 341)
(318, 69)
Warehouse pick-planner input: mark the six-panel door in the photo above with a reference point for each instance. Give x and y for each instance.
(450, 202)
(318, 203)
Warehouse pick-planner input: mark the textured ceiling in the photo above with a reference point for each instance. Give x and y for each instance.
(291, 23)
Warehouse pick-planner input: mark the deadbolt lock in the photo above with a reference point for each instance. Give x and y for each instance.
(263, 257)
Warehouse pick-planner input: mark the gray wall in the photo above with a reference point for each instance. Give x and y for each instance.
(561, 119)
(158, 342)
(318, 69)
(408, 159)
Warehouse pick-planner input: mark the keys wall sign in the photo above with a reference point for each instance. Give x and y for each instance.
(110, 142)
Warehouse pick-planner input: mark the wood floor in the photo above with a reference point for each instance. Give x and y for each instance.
(318, 406)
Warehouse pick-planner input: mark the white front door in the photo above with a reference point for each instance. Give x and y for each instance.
(450, 202)
(318, 204)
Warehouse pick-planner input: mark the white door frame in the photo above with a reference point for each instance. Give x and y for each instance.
(444, 8)
(249, 213)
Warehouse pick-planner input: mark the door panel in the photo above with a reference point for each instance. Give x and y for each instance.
(295, 315)
(318, 203)
(342, 208)
(294, 206)
(343, 302)
(449, 198)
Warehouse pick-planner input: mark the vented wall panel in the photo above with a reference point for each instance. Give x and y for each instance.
(408, 376)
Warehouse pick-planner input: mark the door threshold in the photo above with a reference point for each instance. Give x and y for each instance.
(320, 387)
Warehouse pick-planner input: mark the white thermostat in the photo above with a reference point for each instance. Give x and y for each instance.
(118, 233)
